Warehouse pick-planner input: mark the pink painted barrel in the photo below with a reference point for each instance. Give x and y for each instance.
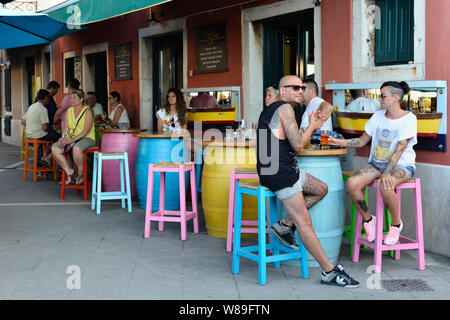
(119, 141)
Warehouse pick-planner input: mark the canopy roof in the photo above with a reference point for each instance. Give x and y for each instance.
(80, 12)
(19, 28)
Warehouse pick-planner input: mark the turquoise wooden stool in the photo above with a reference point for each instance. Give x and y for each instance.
(254, 189)
(97, 194)
(349, 231)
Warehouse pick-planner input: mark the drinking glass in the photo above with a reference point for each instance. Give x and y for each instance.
(324, 140)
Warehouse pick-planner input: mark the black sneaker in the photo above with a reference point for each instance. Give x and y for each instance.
(43, 163)
(339, 277)
(285, 234)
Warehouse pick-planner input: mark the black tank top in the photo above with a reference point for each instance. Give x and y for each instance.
(276, 159)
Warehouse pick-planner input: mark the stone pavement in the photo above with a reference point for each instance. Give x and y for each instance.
(46, 241)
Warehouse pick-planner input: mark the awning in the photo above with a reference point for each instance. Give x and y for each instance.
(19, 29)
(79, 12)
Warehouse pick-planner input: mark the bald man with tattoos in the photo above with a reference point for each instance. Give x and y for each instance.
(278, 141)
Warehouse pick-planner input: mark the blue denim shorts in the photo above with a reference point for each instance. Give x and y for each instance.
(408, 169)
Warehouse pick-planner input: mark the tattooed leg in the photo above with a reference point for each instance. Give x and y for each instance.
(314, 190)
(399, 176)
(356, 185)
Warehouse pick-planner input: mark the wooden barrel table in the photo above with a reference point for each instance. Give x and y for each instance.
(328, 215)
(154, 148)
(118, 140)
(219, 160)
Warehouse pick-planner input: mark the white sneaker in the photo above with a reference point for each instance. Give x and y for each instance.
(369, 227)
(393, 235)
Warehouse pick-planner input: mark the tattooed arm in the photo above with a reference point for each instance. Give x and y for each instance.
(351, 143)
(387, 178)
(325, 109)
(289, 124)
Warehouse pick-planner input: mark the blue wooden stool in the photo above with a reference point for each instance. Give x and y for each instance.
(260, 255)
(97, 194)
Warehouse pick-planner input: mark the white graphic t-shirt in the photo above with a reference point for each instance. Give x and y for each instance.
(386, 133)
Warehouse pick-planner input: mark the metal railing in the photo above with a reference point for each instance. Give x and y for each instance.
(25, 5)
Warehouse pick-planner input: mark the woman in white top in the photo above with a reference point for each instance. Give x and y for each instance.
(117, 112)
(393, 131)
(172, 117)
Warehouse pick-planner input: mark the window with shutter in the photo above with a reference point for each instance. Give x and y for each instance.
(394, 39)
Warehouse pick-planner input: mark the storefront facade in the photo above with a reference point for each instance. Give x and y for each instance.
(328, 40)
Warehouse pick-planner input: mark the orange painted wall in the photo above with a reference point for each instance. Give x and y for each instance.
(233, 77)
(437, 64)
(115, 31)
(337, 34)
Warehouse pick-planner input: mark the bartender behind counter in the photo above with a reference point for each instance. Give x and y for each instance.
(203, 101)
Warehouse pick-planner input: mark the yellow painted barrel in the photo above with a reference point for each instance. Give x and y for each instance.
(219, 161)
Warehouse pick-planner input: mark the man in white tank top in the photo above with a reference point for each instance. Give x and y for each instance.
(314, 103)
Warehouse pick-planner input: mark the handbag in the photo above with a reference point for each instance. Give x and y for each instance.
(68, 147)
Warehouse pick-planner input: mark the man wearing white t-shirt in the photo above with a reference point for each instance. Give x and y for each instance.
(362, 103)
(36, 123)
(314, 103)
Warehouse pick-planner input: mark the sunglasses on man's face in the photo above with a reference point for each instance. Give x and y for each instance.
(295, 87)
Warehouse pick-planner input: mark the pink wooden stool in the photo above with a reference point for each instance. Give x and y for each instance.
(182, 215)
(404, 242)
(239, 173)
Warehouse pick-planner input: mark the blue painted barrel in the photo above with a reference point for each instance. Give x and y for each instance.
(328, 215)
(155, 150)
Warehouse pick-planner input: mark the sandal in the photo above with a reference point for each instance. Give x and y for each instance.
(80, 182)
(73, 179)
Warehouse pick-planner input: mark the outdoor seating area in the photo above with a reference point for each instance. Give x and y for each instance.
(224, 150)
(42, 235)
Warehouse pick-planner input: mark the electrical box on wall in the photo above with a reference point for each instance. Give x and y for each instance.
(8, 120)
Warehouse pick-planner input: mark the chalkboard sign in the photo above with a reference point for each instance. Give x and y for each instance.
(122, 62)
(212, 51)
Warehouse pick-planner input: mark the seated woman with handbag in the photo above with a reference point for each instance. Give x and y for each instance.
(79, 134)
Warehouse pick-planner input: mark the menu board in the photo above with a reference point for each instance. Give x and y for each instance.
(212, 51)
(122, 62)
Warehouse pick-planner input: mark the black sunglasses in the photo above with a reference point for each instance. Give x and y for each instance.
(172, 122)
(295, 87)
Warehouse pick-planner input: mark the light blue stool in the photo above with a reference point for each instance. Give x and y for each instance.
(97, 194)
(254, 189)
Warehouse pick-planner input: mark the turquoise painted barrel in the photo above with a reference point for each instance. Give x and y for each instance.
(328, 215)
(155, 150)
